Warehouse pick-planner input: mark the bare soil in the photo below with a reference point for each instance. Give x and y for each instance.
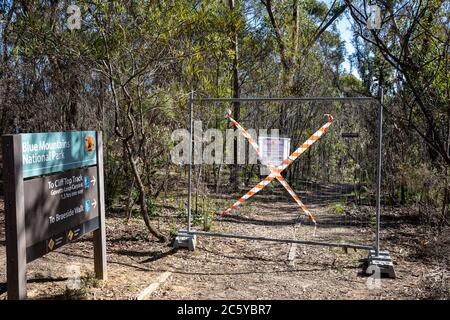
(241, 269)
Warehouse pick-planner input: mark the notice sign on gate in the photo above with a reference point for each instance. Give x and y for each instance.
(53, 195)
(274, 150)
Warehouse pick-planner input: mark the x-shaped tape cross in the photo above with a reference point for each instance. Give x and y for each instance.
(275, 172)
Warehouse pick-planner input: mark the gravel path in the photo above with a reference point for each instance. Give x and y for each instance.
(240, 269)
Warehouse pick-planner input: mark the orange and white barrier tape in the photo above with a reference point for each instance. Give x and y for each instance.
(308, 143)
(244, 133)
(276, 172)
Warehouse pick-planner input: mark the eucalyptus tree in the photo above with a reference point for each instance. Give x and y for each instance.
(409, 58)
(413, 40)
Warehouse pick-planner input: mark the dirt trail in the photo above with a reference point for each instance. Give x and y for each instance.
(242, 269)
(237, 269)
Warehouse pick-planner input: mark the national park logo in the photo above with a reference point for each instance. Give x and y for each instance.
(89, 144)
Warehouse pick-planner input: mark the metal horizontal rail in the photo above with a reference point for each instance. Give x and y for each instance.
(309, 242)
(280, 99)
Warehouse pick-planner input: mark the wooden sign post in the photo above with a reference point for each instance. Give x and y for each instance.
(54, 193)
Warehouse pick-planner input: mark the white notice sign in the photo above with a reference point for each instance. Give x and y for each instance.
(274, 150)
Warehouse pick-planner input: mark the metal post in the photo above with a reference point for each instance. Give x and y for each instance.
(307, 242)
(379, 169)
(278, 99)
(191, 111)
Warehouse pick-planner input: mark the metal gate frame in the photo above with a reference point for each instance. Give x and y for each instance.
(189, 233)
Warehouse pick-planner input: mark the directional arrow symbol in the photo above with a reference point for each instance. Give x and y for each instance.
(93, 180)
(94, 203)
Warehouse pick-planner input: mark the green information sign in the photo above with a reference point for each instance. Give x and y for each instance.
(44, 153)
(54, 193)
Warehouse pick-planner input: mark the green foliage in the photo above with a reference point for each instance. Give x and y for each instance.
(204, 215)
(113, 163)
(151, 207)
(359, 192)
(424, 187)
(173, 232)
(350, 83)
(338, 207)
